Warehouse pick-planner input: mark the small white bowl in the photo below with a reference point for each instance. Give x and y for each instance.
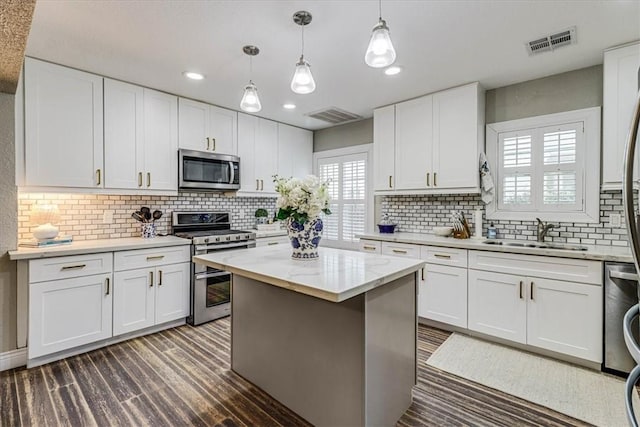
(442, 231)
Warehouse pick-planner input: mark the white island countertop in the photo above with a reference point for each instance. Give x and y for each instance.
(96, 246)
(336, 276)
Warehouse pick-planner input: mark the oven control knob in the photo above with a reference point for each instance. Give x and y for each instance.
(206, 240)
(228, 237)
(238, 237)
(217, 239)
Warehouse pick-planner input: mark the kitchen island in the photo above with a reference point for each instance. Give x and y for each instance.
(333, 339)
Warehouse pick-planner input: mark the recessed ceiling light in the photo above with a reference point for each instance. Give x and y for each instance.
(289, 106)
(193, 75)
(392, 71)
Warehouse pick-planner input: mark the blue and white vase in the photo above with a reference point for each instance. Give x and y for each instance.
(148, 230)
(305, 238)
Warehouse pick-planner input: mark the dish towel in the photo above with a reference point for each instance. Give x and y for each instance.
(486, 180)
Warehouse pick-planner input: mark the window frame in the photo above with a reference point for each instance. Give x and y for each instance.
(343, 154)
(589, 157)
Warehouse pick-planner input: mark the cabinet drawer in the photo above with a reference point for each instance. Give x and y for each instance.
(66, 267)
(272, 241)
(444, 256)
(401, 249)
(141, 258)
(572, 270)
(370, 246)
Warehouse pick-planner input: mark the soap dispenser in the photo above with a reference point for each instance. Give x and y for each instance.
(492, 233)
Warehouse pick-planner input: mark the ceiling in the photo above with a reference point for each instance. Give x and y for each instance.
(439, 44)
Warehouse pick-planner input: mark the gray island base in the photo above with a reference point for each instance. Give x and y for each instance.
(335, 339)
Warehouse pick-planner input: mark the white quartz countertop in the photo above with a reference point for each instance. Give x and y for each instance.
(96, 246)
(336, 276)
(593, 252)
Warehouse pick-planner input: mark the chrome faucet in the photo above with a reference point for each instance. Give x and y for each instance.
(543, 229)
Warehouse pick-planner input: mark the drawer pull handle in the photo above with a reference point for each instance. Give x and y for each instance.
(442, 256)
(369, 248)
(148, 179)
(139, 179)
(428, 179)
(399, 251)
(151, 279)
(108, 286)
(73, 267)
(532, 284)
(435, 179)
(272, 243)
(160, 278)
(155, 257)
(520, 289)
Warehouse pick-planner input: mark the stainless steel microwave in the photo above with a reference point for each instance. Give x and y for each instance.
(201, 170)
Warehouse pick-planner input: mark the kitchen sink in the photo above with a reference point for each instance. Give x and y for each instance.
(539, 245)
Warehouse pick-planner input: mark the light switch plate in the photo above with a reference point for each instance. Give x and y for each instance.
(615, 220)
(107, 217)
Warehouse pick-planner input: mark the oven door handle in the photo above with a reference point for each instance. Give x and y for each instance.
(202, 249)
(202, 276)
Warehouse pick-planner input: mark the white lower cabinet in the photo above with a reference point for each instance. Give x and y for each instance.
(443, 294)
(69, 313)
(557, 315)
(370, 246)
(133, 303)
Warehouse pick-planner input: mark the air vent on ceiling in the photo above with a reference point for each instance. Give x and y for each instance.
(551, 42)
(334, 115)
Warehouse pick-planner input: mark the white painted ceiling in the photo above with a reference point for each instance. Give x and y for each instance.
(439, 44)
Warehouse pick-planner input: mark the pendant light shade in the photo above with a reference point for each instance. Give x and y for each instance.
(250, 101)
(380, 52)
(302, 82)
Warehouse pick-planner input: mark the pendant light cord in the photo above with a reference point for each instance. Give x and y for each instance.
(302, 54)
(380, 10)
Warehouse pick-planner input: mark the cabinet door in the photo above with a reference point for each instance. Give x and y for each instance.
(223, 130)
(414, 144)
(247, 127)
(160, 140)
(266, 152)
(443, 296)
(172, 292)
(69, 313)
(295, 151)
(194, 125)
(63, 127)
(620, 89)
(370, 246)
(496, 305)
(384, 125)
(123, 135)
(565, 317)
(455, 138)
(133, 300)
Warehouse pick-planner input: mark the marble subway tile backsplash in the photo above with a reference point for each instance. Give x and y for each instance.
(82, 215)
(421, 213)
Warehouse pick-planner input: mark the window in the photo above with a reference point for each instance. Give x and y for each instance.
(544, 166)
(347, 171)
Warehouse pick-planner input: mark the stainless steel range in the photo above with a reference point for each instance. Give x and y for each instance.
(210, 287)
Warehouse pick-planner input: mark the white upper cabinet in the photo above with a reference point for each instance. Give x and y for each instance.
(295, 151)
(430, 144)
(621, 84)
(160, 140)
(206, 127)
(258, 152)
(384, 129)
(141, 137)
(63, 127)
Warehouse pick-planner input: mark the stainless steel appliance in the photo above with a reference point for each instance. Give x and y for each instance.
(620, 294)
(634, 241)
(201, 170)
(210, 287)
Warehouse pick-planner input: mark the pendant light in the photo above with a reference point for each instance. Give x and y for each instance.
(250, 101)
(380, 52)
(302, 81)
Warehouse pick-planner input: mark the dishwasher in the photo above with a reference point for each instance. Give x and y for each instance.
(620, 294)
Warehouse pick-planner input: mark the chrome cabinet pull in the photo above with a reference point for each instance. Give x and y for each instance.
(73, 267)
(428, 179)
(151, 279)
(108, 286)
(435, 177)
(155, 257)
(531, 296)
(148, 179)
(139, 179)
(160, 278)
(399, 251)
(369, 248)
(98, 177)
(520, 289)
(272, 243)
(442, 256)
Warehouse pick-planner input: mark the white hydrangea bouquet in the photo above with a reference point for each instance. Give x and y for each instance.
(301, 199)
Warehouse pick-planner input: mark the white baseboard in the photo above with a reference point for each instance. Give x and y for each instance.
(13, 359)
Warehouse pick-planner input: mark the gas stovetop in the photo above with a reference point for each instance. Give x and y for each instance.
(208, 228)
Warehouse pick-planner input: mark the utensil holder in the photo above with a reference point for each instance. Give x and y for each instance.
(148, 230)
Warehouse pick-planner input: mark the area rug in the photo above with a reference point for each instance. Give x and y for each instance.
(581, 393)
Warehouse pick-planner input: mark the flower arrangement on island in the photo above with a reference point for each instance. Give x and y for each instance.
(301, 199)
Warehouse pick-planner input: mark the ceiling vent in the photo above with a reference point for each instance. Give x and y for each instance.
(552, 42)
(334, 115)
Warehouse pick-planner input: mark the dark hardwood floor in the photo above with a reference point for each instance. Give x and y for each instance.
(181, 377)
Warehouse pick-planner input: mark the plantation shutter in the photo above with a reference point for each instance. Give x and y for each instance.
(329, 170)
(516, 170)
